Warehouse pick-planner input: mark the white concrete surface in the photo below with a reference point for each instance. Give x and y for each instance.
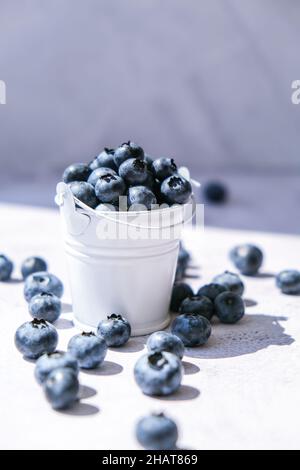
(240, 391)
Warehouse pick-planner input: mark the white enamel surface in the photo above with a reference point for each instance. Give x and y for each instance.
(122, 274)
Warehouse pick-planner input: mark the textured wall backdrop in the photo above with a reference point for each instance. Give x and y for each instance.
(206, 82)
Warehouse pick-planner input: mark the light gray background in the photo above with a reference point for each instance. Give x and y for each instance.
(208, 83)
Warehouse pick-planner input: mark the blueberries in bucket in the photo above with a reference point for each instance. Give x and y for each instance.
(115, 330)
(192, 329)
(61, 388)
(107, 207)
(93, 178)
(104, 159)
(288, 281)
(157, 432)
(35, 338)
(32, 265)
(42, 282)
(230, 281)
(176, 190)
(45, 306)
(163, 168)
(85, 192)
(149, 161)
(89, 349)
(158, 373)
(109, 188)
(127, 150)
(115, 172)
(140, 197)
(76, 172)
(6, 268)
(134, 171)
(247, 258)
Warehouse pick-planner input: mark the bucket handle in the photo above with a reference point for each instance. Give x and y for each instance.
(103, 215)
(76, 221)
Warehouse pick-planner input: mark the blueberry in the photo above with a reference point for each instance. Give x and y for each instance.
(158, 373)
(211, 290)
(116, 330)
(215, 192)
(157, 432)
(183, 256)
(182, 262)
(192, 329)
(109, 188)
(180, 292)
(229, 307)
(85, 192)
(35, 338)
(180, 273)
(106, 208)
(93, 178)
(104, 159)
(42, 282)
(163, 341)
(134, 171)
(127, 150)
(230, 281)
(89, 349)
(247, 258)
(149, 161)
(140, 198)
(150, 182)
(31, 265)
(288, 281)
(61, 388)
(163, 168)
(45, 306)
(198, 304)
(76, 172)
(176, 190)
(6, 268)
(51, 361)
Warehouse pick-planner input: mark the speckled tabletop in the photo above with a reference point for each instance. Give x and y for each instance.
(240, 391)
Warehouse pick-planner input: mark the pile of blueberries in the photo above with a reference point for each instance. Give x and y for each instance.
(129, 173)
(159, 371)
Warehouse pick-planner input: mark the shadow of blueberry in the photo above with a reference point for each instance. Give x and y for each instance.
(106, 368)
(250, 303)
(14, 281)
(86, 392)
(185, 392)
(66, 307)
(190, 368)
(63, 324)
(253, 333)
(81, 409)
(264, 275)
(133, 345)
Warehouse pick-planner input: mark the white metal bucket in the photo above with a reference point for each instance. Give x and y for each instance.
(115, 267)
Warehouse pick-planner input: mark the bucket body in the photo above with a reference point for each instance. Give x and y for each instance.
(119, 262)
